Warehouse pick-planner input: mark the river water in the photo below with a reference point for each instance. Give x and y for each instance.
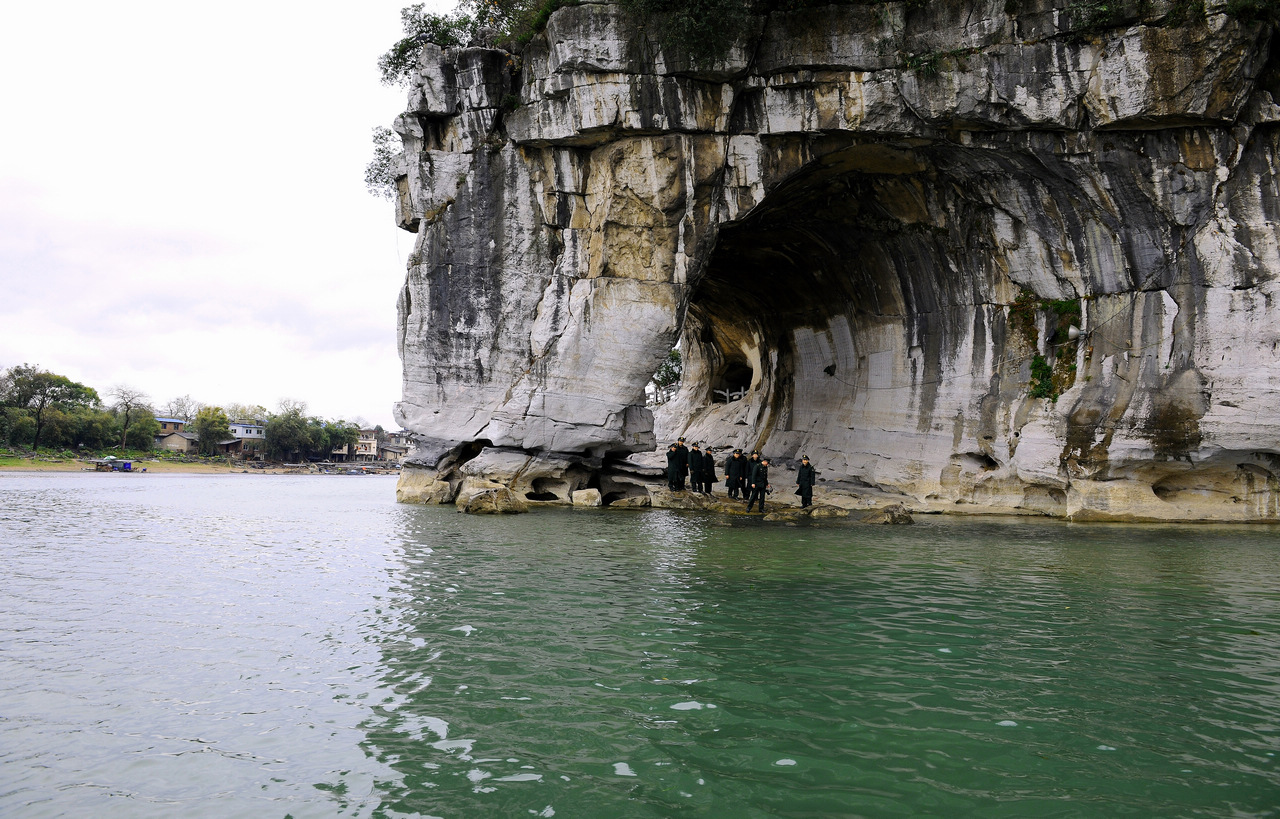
(265, 646)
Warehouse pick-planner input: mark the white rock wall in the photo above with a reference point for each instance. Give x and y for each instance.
(847, 206)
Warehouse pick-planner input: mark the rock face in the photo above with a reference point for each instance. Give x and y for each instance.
(869, 228)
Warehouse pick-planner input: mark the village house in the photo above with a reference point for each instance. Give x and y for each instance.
(391, 453)
(168, 425)
(366, 448)
(231, 446)
(252, 437)
(186, 443)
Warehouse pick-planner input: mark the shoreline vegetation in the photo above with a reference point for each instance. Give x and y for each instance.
(28, 465)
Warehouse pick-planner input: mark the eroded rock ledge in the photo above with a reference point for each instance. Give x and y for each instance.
(874, 224)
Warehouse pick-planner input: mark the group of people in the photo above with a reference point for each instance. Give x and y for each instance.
(745, 477)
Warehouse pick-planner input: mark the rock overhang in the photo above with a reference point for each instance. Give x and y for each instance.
(836, 238)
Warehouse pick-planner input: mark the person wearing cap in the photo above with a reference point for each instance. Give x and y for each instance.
(683, 454)
(805, 478)
(735, 474)
(708, 469)
(695, 468)
(759, 484)
(673, 468)
(752, 463)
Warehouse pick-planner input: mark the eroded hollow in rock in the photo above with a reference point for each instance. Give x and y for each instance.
(855, 286)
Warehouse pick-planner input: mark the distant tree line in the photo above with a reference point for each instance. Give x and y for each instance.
(39, 408)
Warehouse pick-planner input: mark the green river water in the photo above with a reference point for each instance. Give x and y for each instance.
(255, 646)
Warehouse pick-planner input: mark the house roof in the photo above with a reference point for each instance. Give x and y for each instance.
(190, 436)
(171, 420)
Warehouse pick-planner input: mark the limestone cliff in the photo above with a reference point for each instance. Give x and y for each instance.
(872, 222)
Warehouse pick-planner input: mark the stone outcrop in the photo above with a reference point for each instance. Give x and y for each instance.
(500, 501)
(869, 228)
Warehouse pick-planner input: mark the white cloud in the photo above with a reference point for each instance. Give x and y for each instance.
(182, 205)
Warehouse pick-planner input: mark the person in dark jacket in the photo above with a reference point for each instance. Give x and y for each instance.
(805, 478)
(759, 484)
(673, 468)
(695, 468)
(752, 463)
(683, 454)
(708, 470)
(735, 473)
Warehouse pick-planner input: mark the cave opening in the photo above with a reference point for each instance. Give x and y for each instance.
(851, 282)
(731, 381)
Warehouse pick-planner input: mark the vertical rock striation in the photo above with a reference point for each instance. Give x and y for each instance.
(874, 223)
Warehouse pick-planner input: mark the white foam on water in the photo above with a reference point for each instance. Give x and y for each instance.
(520, 778)
(519, 699)
(451, 745)
(477, 775)
(461, 688)
(431, 766)
(623, 769)
(1105, 748)
(436, 726)
(565, 778)
(691, 705)
(785, 762)
(464, 629)
(1007, 723)
(483, 790)
(686, 795)
(702, 781)
(944, 651)
(450, 589)
(546, 812)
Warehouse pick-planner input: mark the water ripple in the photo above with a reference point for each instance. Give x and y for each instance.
(305, 646)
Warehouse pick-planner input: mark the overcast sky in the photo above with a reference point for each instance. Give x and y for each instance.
(182, 202)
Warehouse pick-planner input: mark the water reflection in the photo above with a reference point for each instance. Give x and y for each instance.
(670, 661)
(306, 646)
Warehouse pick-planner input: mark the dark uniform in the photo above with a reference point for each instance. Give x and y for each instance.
(752, 463)
(735, 473)
(673, 468)
(695, 468)
(759, 484)
(708, 471)
(806, 475)
(683, 454)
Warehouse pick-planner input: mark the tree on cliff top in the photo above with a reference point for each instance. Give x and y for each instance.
(507, 23)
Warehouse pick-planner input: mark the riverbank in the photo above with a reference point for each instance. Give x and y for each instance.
(27, 465)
